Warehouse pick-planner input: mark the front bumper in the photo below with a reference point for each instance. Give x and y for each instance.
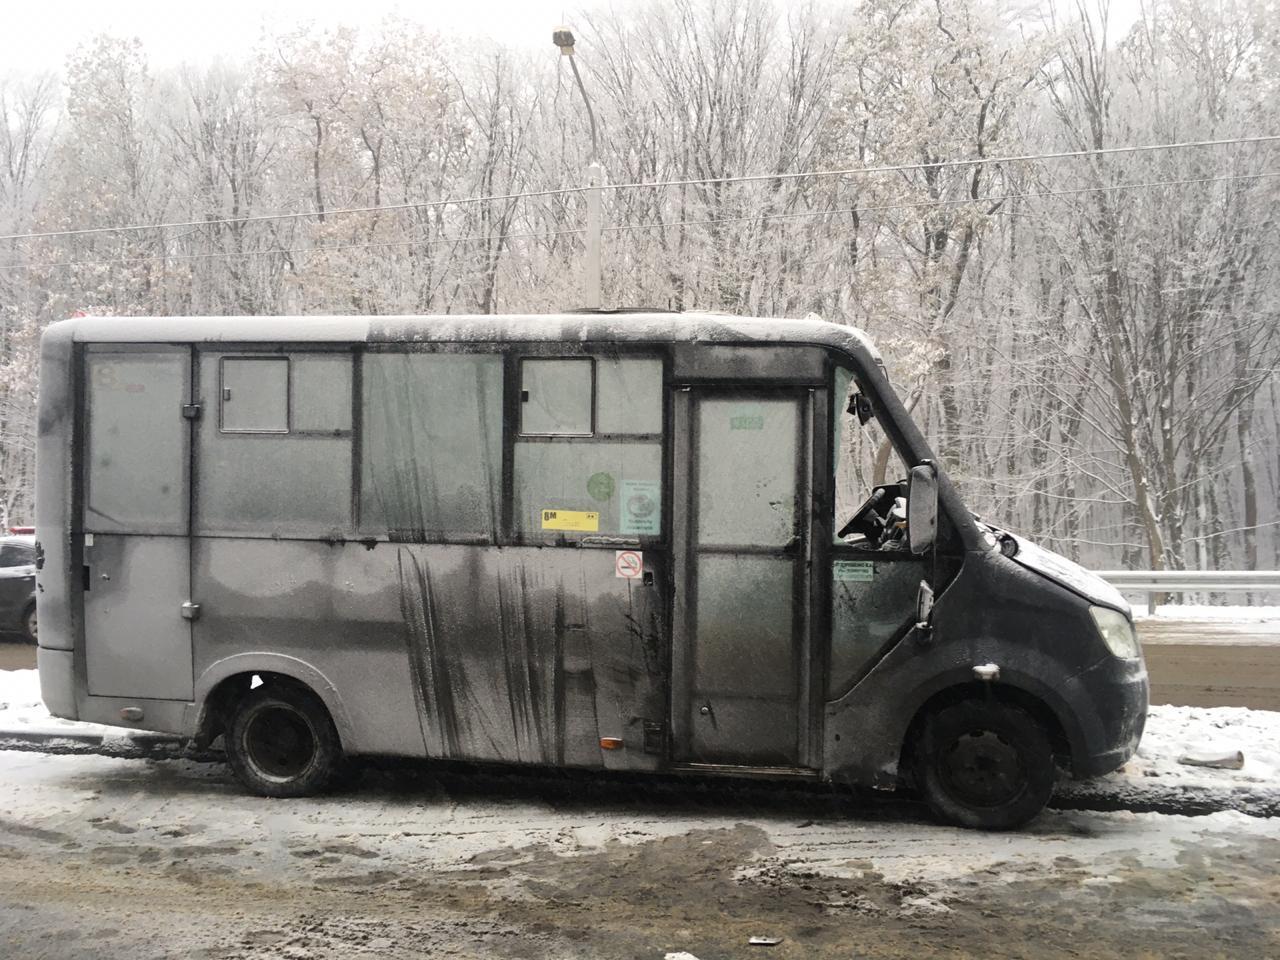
(1118, 694)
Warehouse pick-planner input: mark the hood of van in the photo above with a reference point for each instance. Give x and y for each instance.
(1067, 573)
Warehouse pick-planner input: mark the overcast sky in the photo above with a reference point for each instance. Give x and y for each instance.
(37, 35)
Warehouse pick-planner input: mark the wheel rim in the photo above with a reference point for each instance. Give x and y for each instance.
(982, 769)
(31, 624)
(279, 743)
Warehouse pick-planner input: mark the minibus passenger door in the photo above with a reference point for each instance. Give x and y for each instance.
(741, 622)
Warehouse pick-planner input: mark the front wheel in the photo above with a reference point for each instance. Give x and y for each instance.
(281, 742)
(984, 764)
(29, 629)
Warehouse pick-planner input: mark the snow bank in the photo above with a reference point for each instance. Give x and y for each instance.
(1204, 611)
(1155, 779)
(23, 712)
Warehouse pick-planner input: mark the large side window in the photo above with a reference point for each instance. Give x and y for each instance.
(432, 446)
(275, 455)
(588, 458)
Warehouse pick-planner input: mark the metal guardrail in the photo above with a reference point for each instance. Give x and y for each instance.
(1153, 582)
(1172, 581)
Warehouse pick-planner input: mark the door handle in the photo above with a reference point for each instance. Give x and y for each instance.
(190, 611)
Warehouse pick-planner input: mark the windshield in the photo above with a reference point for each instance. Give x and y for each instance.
(863, 460)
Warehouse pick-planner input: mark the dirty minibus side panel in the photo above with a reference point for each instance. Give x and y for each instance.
(354, 529)
(428, 536)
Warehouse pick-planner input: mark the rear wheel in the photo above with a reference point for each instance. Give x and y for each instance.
(282, 743)
(29, 624)
(984, 764)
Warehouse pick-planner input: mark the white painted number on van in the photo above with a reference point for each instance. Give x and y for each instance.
(628, 564)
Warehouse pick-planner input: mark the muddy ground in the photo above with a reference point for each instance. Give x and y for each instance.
(107, 858)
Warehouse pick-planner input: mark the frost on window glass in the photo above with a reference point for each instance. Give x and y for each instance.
(581, 471)
(255, 394)
(432, 445)
(320, 393)
(137, 447)
(589, 488)
(756, 504)
(277, 458)
(628, 396)
(556, 397)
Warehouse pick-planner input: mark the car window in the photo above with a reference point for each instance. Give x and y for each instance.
(16, 555)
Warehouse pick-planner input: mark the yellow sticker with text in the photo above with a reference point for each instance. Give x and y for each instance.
(583, 521)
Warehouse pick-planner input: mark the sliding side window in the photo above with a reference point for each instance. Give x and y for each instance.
(588, 455)
(255, 395)
(274, 455)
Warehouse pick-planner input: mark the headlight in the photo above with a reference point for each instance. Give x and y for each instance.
(1116, 631)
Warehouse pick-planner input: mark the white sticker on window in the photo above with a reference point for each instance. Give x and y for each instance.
(641, 508)
(859, 571)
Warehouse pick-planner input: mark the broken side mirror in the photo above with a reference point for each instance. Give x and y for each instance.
(860, 407)
(922, 508)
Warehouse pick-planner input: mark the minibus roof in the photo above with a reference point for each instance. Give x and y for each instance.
(593, 327)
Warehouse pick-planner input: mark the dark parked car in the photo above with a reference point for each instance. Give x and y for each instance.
(18, 586)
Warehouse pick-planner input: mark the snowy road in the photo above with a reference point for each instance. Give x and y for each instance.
(106, 858)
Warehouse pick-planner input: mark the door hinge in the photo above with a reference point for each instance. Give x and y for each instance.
(190, 611)
(191, 411)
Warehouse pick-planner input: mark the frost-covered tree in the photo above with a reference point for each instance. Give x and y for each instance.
(1091, 340)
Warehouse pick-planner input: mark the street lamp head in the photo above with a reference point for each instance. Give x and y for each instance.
(562, 37)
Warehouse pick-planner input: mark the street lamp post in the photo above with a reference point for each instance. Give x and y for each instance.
(562, 37)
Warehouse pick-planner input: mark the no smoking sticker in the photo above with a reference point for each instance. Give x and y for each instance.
(628, 564)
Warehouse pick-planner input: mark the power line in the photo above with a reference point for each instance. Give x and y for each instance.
(995, 198)
(299, 215)
(560, 191)
(943, 164)
(627, 228)
(285, 251)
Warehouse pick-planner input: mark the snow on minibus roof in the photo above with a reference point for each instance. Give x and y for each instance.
(571, 327)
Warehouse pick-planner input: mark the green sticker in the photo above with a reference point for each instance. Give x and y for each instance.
(746, 416)
(862, 571)
(600, 486)
(641, 508)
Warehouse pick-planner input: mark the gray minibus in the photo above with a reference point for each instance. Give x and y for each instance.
(614, 541)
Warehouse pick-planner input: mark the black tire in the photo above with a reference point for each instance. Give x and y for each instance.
(29, 626)
(281, 742)
(984, 764)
